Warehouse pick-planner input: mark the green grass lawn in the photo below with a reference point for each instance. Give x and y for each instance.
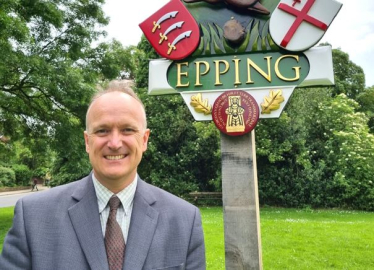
(6, 218)
(291, 239)
(301, 239)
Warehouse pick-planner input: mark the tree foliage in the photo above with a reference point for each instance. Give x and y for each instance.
(348, 152)
(366, 101)
(49, 69)
(349, 77)
(7, 177)
(319, 153)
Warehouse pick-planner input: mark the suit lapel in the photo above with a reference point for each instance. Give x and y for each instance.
(142, 228)
(85, 218)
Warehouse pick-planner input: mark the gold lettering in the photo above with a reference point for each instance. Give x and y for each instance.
(297, 69)
(198, 74)
(264, 69)
(180, 74)
(250, 64)
(237, 79)
(218, 72)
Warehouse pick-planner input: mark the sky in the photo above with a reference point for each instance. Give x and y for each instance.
(352, 30)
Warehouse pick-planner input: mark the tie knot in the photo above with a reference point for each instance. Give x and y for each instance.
(114, 202)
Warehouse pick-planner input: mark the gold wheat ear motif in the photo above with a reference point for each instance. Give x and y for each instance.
(272, 102)
(199, 105)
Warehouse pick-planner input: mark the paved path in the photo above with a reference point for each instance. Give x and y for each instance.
(9, 198)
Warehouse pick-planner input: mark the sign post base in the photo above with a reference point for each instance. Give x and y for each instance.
(240, 203)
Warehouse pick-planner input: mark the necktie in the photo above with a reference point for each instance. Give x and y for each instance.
(114, 241)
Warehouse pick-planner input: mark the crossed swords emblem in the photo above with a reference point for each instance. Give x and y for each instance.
(163, 36)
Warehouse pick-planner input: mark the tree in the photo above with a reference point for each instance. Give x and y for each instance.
(366, 101)
(48, 71)
(349, 77)
(347, 148)
(301, 156)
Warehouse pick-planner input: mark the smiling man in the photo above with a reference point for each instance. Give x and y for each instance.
(110, 219)
(116, 136)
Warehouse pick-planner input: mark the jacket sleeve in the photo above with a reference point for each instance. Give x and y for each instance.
(196, 250)
(16, 254)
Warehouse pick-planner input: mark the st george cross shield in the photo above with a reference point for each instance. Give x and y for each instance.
(172, 31)
(297, 25)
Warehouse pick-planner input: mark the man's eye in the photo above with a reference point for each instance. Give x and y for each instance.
(128, 131)
(101, 132)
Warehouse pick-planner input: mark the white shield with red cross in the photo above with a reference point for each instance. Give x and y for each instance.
(172, 31)
(297, 25)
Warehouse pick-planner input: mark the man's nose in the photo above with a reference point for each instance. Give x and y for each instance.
(115, 140)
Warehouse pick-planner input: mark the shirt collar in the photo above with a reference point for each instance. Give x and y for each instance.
(126, 195)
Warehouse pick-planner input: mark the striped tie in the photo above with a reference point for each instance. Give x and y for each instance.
(114, 241)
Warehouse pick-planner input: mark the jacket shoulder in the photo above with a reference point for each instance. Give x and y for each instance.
(161, 198)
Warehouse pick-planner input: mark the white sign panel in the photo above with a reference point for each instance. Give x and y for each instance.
(297, 25)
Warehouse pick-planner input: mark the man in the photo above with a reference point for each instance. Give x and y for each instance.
(34, 184)
(68, 226)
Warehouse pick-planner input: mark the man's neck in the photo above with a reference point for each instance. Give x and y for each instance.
(115, 185)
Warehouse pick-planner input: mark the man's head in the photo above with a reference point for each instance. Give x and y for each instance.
(116, 135)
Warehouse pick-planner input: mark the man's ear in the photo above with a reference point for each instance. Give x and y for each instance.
(145, 139)
(86, 138)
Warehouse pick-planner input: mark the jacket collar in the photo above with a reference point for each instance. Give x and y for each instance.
(84, 216)
(142, 228)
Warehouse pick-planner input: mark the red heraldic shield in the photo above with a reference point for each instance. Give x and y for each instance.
(172, 31)
(297, 25)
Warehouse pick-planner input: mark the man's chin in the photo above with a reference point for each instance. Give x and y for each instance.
(119, 176)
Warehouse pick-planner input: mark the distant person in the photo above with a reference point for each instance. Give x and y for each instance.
(110, 219)
(34, 184)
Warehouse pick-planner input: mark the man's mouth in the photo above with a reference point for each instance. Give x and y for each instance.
(115, 157)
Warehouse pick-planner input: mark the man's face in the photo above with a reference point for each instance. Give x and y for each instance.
(115, 138)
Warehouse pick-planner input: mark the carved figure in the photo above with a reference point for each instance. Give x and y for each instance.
(235, 117)
(250, 5)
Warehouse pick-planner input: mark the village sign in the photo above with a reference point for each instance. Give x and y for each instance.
(236, 49)
(233, 63)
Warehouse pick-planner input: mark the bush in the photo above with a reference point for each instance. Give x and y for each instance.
(7, 177)
(69, 170)
(23, 174)
(40, 173)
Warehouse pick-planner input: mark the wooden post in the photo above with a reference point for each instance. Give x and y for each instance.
(240, 203)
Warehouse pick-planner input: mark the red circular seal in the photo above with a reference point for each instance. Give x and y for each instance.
(235, 112)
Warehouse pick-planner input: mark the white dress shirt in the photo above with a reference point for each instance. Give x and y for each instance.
(124, 211)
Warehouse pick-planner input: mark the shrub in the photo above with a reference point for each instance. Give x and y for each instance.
(23, 174)
(7, 177)
(40, 172)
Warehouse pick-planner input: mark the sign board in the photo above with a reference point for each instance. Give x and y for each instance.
(317, 70)
(258, 63)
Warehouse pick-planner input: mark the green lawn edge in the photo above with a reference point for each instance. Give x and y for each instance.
(291, 238)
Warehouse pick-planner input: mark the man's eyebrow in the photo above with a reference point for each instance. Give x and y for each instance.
(133, 125)
(100, 126)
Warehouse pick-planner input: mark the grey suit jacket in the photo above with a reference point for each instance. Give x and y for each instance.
(60, 229)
